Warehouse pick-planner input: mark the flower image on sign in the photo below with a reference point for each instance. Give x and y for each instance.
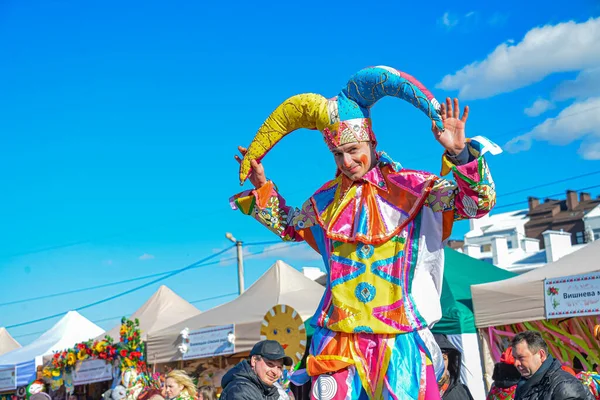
(90, 371)
(572, 296)
(8, 378)
(209, 342)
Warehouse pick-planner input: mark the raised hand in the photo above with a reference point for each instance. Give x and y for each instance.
(257, 175)
(453, 136)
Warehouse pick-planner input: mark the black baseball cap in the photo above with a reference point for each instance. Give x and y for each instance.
(271, 350)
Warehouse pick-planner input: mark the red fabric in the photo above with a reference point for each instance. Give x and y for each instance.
(507, 357)
(497, 393)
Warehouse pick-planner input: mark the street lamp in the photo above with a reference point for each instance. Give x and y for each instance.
(240, 261)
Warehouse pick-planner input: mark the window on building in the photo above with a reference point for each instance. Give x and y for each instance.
(509, 244)
(485, 248)
(579, 238)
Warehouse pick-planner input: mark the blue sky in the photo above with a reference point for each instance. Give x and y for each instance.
(119, 122)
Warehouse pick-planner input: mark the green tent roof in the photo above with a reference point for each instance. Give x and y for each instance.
(460, 272)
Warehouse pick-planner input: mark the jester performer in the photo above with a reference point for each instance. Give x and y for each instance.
(380, 230)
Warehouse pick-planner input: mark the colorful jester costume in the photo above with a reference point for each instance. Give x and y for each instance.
(381, 239)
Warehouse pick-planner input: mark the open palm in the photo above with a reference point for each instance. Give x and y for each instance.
(453, 136)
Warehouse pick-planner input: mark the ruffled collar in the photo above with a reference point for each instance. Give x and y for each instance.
(374, 208)
(375, 176)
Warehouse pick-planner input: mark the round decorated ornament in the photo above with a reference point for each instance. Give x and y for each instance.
(283, 324)
(21, 392)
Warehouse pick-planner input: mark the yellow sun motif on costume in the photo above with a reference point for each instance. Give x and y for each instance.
(284, 324)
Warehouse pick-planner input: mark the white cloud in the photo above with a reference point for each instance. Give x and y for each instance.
(448, 20)
(579, 121)
(590, 151)
(567, 46)
(539, 107)
(451, 20)
(497, 19)
(585, 85)
(146, 256)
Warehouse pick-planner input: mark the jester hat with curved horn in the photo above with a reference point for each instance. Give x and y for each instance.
(342, 119)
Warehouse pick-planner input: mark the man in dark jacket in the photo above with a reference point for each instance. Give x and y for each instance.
(254, 379)
(542, 377)
(450, 386)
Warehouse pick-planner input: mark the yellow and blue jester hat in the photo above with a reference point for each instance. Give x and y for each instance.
(344, 118)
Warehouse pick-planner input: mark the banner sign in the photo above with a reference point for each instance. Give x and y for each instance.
(8, 378)
(572, 296)
(91, 371)
(210, 342)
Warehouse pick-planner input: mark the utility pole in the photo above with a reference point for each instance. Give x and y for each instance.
(240, 261)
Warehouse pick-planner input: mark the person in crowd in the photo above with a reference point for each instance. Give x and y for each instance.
(179, 386)
(591, 380)
(449, 385)
(542, 376)
(380, 229)
(255, 378)
(505, 376)
(40, 396)
(152, 394)
(207, 392)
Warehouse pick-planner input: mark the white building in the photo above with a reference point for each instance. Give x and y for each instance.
(592, 223)
(500, 239)
(509, 224)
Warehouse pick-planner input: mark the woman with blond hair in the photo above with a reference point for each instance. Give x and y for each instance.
(179, 386)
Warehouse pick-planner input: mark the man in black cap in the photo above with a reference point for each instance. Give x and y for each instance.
(255, 378)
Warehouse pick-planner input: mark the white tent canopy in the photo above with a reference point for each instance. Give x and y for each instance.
(521, 298)
(7, 342)
(165, 308)
(281, 284)
(71, 329)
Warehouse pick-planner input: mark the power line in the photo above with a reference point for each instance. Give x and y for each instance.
(277, 242)
(48, 296)
(120, 316)
(214, 297)
(105, 285)
(176, 272)
(547, 196)
(549, 183)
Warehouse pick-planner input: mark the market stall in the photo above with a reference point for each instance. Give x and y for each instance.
(561, 300)
(210, 343)
(70, 329)
(120, 361)
(7, 342)
(162, 310)
(280, 284)
(458, 321)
